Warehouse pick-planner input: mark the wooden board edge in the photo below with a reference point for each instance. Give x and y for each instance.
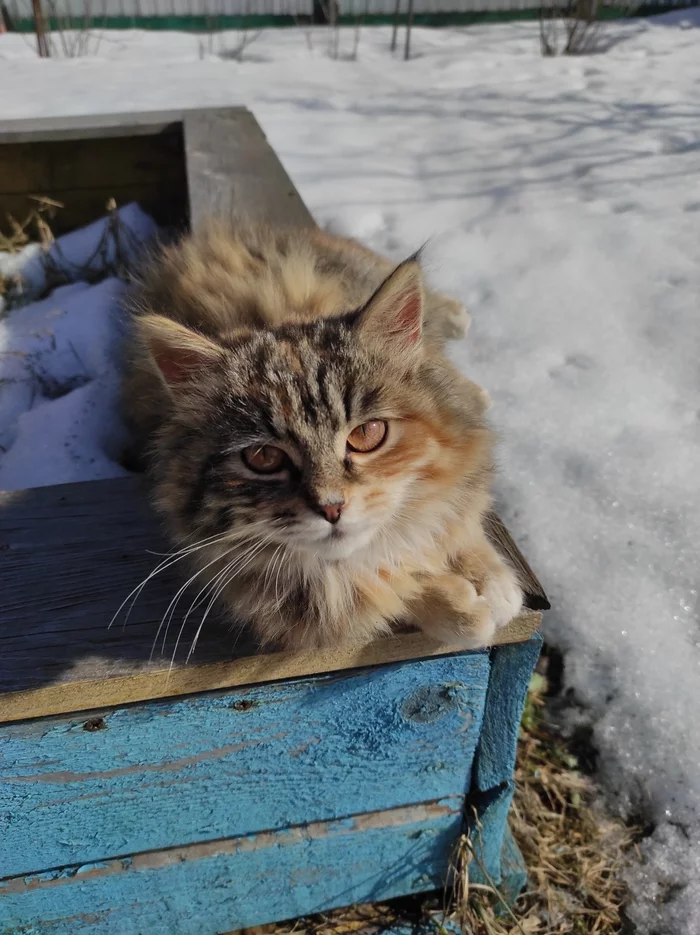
(252, 183)
(396, 817)
(70, 697)
(83, 126)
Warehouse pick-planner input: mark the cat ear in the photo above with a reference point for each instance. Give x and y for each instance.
(178, 352)
(395, 312)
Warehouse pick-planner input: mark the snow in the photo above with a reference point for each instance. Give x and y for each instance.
(561, 202)
(59, 375)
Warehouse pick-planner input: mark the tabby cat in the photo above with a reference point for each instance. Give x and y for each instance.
(323, 465)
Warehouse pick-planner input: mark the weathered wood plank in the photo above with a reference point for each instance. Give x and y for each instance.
(58, 166)
(83, 175)
(89, 126)
(256, 668)
(223, 765)
(231, 884)
(492, 785)
(69, 555)
(535, 594)
(232, 170)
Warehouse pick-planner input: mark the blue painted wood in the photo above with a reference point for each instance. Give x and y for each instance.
(492, 788)
(228, 764)
(218, 887)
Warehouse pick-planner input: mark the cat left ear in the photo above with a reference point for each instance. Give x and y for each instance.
(395, 311)
(178, 352)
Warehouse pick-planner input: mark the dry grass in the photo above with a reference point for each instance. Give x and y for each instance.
(33, 229)
(573, 851)
(115, 253)
(574, 854)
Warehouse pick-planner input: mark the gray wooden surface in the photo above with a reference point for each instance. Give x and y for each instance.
(231, 169)
(69, 556)
(90, 126)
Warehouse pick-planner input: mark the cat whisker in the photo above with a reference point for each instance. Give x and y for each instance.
(167, 563)
(250, 556)
(271, 565)
(201, 597)
(170, 610)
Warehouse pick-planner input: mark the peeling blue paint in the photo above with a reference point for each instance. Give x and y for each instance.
(195, 769)
(237, 808)
(223, 892)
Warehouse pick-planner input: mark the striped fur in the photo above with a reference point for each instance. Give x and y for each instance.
(251, 336)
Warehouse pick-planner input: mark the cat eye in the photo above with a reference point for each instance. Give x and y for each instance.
(264, 459)
(368, 436)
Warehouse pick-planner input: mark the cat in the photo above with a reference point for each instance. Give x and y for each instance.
(323, 464)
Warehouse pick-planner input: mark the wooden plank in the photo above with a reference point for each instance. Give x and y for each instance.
(86, 126)
(24, 167)
(109, 691)
(231, 169)
(56, 166)
(236, 883)
(69, 555)
(492, 784)
(229, 764)
(536, 599)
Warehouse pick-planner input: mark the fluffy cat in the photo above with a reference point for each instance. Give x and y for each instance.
(308, 440)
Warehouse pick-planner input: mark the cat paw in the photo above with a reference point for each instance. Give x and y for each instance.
(504, 597)
(457, 615)
(456, 321)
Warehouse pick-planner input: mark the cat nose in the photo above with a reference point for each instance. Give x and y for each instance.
(332, 511)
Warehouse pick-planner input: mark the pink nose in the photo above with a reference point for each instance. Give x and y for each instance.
(332, 511)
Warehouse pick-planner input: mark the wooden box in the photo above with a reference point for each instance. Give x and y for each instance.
(240, 789)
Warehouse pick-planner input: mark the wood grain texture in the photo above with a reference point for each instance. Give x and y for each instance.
(492, 784)
(255, 668)
(232, 170)
(83, 174)
(236, 883)
(89, 126)
(536, 599)
(64, 165)
(70, 555)
(183, 772)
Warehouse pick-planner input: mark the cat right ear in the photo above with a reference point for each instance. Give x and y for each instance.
(179, 353)
(394, 314)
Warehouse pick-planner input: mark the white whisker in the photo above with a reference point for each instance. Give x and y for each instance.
(221, 587)
(167, 563)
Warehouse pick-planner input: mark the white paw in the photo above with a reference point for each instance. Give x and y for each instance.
(504, 597)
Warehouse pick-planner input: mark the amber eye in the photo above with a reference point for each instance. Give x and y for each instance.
(368, 436)
(263, 459)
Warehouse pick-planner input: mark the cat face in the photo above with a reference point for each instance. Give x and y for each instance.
(319, 437)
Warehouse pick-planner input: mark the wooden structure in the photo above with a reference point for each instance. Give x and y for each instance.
(239, 789)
